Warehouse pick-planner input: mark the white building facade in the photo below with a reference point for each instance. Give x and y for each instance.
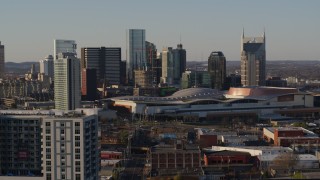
(67, 83)
(70, 148)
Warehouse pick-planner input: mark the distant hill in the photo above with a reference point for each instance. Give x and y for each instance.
(20, 68)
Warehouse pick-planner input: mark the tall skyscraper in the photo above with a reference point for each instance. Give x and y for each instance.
(67, 93)
(253, 60)
(137, 52)
(2, 68)
(179, 63)
(151, 55)
(106, 61)
(167, 66)
(46, 66)
(217, 69)
(62, 46)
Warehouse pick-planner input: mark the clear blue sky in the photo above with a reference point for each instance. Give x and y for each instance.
(28, 27)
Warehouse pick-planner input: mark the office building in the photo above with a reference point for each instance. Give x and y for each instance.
(179, 62)
(151, 55)
(276, 82)
(62, 46)
(70, 147)
(88, 84)
(167, 66)
(46, 66)
(106, 61)
(2, 68)
(137, 52)
(253, 60)
(123, 72)
(143, 78)
(67, 93)
(191, 79)
(217, 69)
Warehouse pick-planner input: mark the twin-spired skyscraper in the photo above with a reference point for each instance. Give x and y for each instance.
(253, 60)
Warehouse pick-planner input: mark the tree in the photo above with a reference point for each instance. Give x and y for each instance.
(123, 136)
(285, 161)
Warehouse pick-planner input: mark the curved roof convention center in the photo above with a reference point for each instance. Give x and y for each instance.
(182, 95)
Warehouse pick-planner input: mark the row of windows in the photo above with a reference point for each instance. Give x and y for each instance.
(62, 124)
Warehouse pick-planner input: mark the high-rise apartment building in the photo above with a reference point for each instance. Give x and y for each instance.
(70, 147)
(20, 145)
(2, 68)
(137, 52)
(179, 63)
(49, 145)
(67, 93)
(62, 46)
(46, 66)
(217, 69)
(253, 60)
(106, 61)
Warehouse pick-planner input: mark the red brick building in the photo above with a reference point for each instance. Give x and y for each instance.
(175, 157)
(226, 157)
(285, 136)
(208, 140)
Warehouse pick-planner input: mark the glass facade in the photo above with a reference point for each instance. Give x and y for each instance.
(61, 46)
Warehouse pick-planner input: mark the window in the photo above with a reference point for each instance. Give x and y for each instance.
(77, 169)
(48, 163)
(48, 131)
(77, 150)
(62, 131)
(62, 124)
(77, 144)
(48, 143)
(63, 170)
(48, 177)
(48, 168)
(77, 138)
(48, 138)
(77, 123)
(62, 138)
(77, 163)
(78, 177)
(48, 156)
(77, 156)
(47, 123)
(63, 176)
(77, 131)
(48, 150)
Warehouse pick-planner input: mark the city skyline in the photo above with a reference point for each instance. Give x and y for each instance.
(30, 27)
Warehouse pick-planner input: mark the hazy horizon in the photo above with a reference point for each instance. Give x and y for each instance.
(29, 27)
